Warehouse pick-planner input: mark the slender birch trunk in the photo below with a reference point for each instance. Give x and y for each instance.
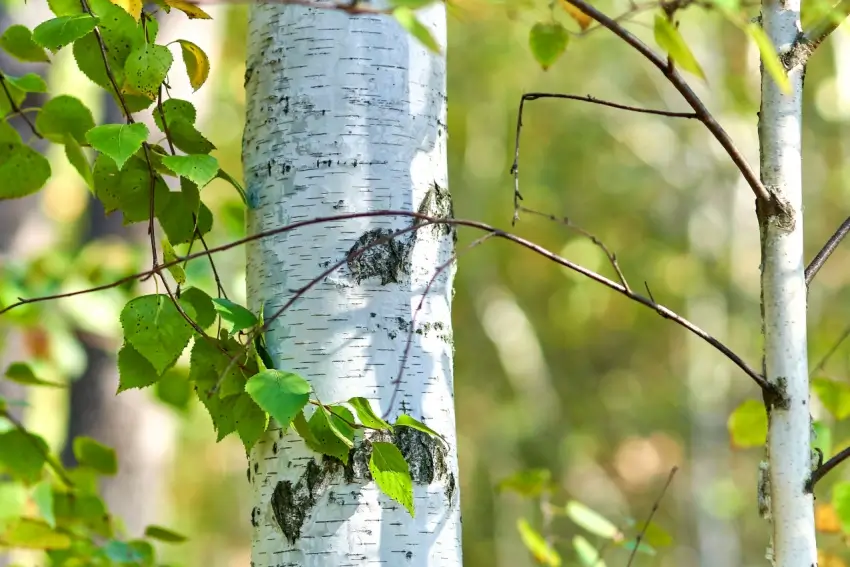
(347, 114)
(790, 505)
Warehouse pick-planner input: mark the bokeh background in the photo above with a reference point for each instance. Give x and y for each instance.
(553, 371)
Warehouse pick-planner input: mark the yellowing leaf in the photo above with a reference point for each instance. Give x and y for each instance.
(582, 19)
(197, 63)
(769, 57)
(132, 7)
(536, 544)
(826, 519)
(670, 40)
(191, 10)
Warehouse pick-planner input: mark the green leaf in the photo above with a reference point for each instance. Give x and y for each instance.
(748, 424)
(327, 438)
(22, 455)
(147, 67)
(64, 115)
(200, 169)
(120, 552)
(164, 534)
(29, 533)
(197, 63)
(392, 474)
(529, 483)
(841, 503)
(407, 18)
(235, 314)
(29, 83)
(834, 395)
(128, 190)
(23, 171)
(42, 495)
(341, 421)
(303, 429)
(78, 159)
(548, 41)
(13, 499)
(156, 329)
(202, 304)
(21, 373)
(57, 33)
(251, 421)
(367, 415)
(17, 41)
(670, 40)
(134, 370)
(17, 96)
(179, 122)
(536, 544)
(65, 7)
(769, 57)
(407, 421)
(587, 553)
(8, 134)
(591, 520)
(96, 456)
(174, 389)
(169, 255)
(176, 217)
(656, 536)
(118, 141)
(280, 394)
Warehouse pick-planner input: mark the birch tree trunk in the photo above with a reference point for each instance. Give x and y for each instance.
(790, 505)
(347, 114)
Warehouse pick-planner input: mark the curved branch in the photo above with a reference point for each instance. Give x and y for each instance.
(663, 311)
(822, 470)
(821, 257)
(675, 79)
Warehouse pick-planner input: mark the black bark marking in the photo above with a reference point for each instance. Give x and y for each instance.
(388, 261)
(292, 503)
(438, 203)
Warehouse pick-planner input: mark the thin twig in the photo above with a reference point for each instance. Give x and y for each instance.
(582, 98)
(498, 233)
(412, 328)
(612, 258)
(16, 109)
(655, 506)
(105, 58)
(679, 83)
(821, 257)
(819, 366)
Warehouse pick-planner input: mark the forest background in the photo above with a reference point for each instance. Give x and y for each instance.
(552, 371)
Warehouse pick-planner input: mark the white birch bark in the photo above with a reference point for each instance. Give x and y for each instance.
(347, 114)
(784, 302)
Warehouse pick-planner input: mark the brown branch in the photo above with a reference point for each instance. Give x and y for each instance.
(822, 470)
(679, 83)
(589, 99)
(16, 109)
(821, 257)
(498, 233)
(612, 258)
(822, 362)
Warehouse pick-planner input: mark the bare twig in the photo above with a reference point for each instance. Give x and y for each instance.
(498, 233)
(582, 98)
(612, 258)
(679, 83)
(655, 506)
(821, 257)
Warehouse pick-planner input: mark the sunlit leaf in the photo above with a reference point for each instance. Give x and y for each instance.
(280, 394)
(587, 553)
(669, 39)
(191, 10)
(118, 141)
(582, 19)
(591, 520)
(197, 63)
(147, 67)
(132, 7)
(17, 41)
(769, 57)
(200, 169)
(407, 18)
(156, 329)
(30, 533)
(59, 32)
(238, 316)
(548, 41)
(748, 425)
(366, 414)
(536, 544)
(392, 474)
